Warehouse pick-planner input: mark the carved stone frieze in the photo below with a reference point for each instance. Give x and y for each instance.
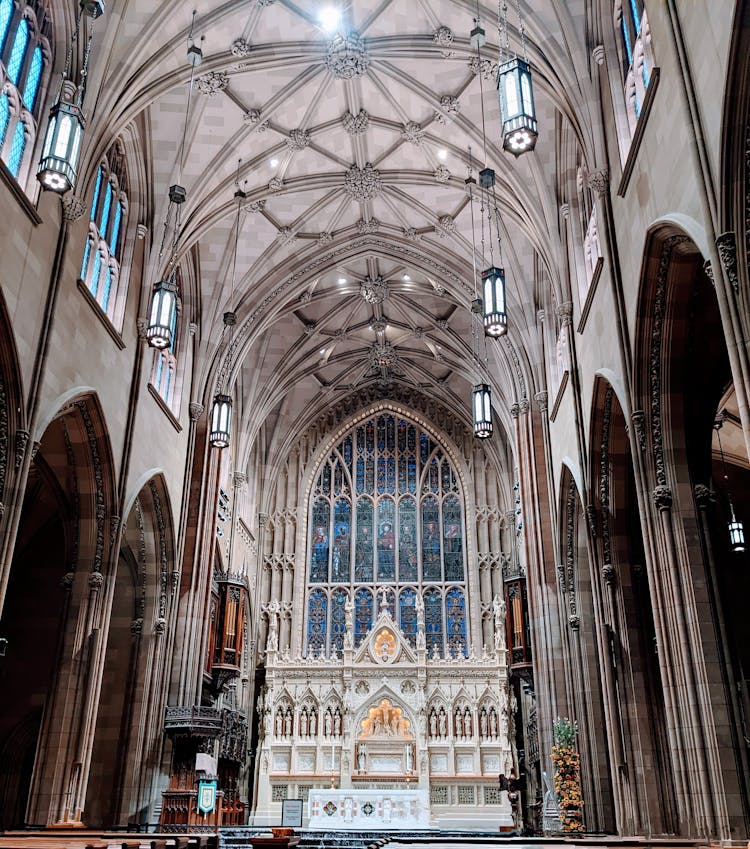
(639, 419)
(4, 428)
(604, 484)
(726, 244)
(22, 440)
(98, 483)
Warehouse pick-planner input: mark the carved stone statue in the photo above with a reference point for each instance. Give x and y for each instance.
(361, 758)
(433, 724)
(458, 720)
(409, 761)
(288, 724)
(303, 724)
(328, 725)
(279, 726)
(493, 722)
(443, 723)
(498, 609)
(337, 724)
(483, 725)
(313, 722)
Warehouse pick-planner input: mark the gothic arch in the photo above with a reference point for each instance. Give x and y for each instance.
(682, 373)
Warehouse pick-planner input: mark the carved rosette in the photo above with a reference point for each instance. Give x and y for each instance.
(450, 104)
(347, 57)
(413, 133)
(367, 228)
(383, 355)
(212, 83)
(443, 38)
(363, 184)
(275, 184)
(441, 174)
(298, 139)
(374, 289)
(486, 67)
(240, 47)
(357, 124)
(446, 226)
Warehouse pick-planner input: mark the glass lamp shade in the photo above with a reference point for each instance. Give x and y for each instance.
(736, 534)
(481, 403)
(62, 145)
(517, 108)
(161, 321)
(493, 302)
(221, 421)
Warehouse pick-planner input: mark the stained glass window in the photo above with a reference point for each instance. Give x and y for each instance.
(363, 609)
(6, 12)
(386, 515)
(18, 53)
(338, 619)
(22, 35)
(455, 617)
(4, 116)
(363, 553)
(17, 148)
(433, 621)
(316, 621)
(408, 615)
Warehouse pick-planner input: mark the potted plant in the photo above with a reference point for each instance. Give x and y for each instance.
(567, 764)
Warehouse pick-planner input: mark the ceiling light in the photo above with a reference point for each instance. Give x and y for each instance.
(406, 277)
(342, 279)
(329, 18)
(442, 154)
(274, 162)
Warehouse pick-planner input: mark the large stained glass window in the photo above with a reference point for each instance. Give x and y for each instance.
(386, 523)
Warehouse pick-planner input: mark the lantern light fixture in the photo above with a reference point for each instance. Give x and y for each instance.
(495, 318)
(515, 91)
(221, 411)
(58, 166)
(161, 322)
(482, 410)
(165, 294)
(221, 421)
(734, 525)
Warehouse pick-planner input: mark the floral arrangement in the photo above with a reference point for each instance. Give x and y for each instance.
(567, 763)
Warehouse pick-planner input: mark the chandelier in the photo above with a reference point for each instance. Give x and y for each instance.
(734, 525)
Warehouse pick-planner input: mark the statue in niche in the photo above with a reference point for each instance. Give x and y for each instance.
(313, 722)
(288, 723)
(433, 724)
(328, 724)
(361, 758)
(493, 722)
(458, 723)
(337, 723)
(279, 725)
(498, 609)
(443, 724)
(468, 723)
(483, 725)
(303, 723)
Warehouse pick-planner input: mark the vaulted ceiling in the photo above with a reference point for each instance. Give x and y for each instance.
(354, 253)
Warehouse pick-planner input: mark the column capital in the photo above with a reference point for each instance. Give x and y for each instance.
(598, 181)
(726, 245)
(662, 496)
(196, 410)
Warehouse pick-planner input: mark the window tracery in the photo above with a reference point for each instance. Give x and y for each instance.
(102, 255)
(25, 58)
(387, 527)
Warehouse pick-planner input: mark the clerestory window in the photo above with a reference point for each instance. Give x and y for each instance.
(25, 58)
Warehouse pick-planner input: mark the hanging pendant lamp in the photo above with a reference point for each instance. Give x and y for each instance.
(58, 166)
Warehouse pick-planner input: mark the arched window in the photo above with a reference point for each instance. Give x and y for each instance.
(24, 59)
(102, 254)
(165, 359)
(636, 58)
(386, 525)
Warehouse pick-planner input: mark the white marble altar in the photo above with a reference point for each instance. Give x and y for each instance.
(368, 810)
